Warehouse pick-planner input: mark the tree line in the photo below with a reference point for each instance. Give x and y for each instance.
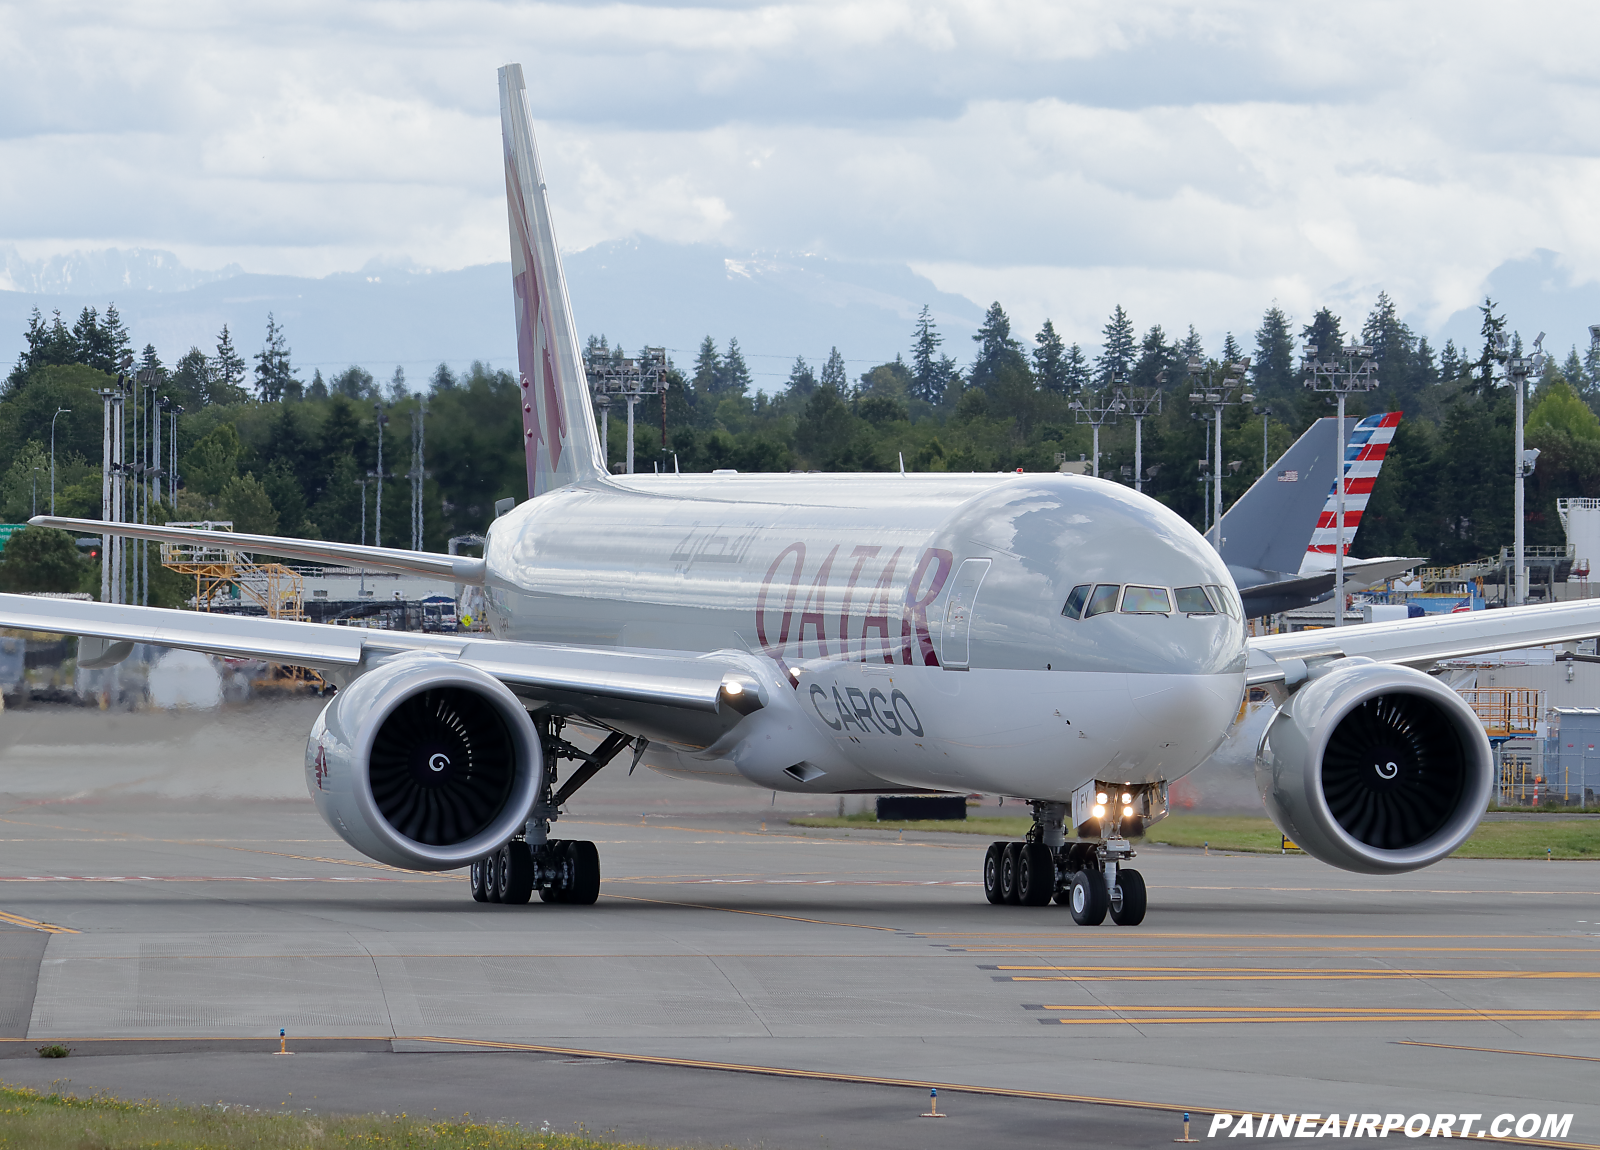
(275, 453)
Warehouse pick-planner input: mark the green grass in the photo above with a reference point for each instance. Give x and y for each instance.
(34, 1120)
(1508, 839)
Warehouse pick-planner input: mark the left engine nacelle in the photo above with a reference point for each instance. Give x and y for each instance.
(1375, 768)
(424, 763)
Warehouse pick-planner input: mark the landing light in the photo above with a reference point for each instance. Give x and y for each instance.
(1127, 798)
(1099, 811)
(1127, 812)
(1102, 798)
(733, 687)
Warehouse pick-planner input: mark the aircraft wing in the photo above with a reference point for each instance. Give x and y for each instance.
(669, 698)
(1263, 598)
(459, 568)
(1420, 642)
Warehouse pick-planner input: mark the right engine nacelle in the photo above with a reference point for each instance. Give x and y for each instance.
(424, 763)
(1375, 768)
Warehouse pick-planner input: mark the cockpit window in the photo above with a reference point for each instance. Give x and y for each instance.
(1075, 601)
(1104, 599)
(1193, 601)
(1223, 596)
(1146, 600)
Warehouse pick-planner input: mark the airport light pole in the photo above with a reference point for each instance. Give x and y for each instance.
(1346, 370)
(1097, 407)
(1218, 395)
(628, 379)
(1518, 368)
(377, 522)
(60, 411)
(1265, 412)
(1139, 402)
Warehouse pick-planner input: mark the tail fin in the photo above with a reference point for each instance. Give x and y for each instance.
(558, 428)
(1268, 527)
(1363, 459)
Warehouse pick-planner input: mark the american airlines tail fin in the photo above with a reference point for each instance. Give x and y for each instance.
(1363, 459)
(558, 427)
(1268, 528)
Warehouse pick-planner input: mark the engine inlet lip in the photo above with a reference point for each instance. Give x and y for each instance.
(1477, 769)
(427, 673)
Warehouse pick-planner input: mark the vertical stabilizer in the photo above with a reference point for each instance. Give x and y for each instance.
(1268, 527)
(1363, 459)
(558, 428)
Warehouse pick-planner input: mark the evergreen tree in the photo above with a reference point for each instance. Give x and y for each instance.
(1591, 370)
(443, 378)
(191, 384)
(1393, 350)
(1572, 371)
(88, 340)
(927, 377)
(1231, 351)
(1116, 353)
(227, 368)
(1155, 357)
(1272, 370)
(1486, 369)
(118, 344)
(707, 368)
(1075, 369)
(150, 361)
(1450, 365)
(996, 349)
(1191, 347)
(319, 387)
(1049, 366)
(274, 373)
(1424, 369)
(354, 382)
(398, 391)
(734, 378)
(802, 380)
(833, 373)
(1324, 333)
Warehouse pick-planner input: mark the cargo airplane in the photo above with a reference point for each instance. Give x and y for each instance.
(1053, 637)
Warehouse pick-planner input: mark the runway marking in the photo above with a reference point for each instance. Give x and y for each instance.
(796, 882)
(1074, 932)
(35, 924)
(125, 878)
(999, 951)
(916, 1084)
(1218, 1015)
(759, 913)
(1268, 974)
(1492, 1050)
(340, 862)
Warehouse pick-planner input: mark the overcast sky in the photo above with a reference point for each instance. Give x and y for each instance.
(1194, 162)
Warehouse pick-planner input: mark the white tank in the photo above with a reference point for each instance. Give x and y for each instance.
(1581, 519)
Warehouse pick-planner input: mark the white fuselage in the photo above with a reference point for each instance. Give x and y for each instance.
(908, 630)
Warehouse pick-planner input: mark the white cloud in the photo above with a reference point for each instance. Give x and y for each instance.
(1191, 161)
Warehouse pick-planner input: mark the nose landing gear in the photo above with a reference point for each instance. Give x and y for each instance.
(1089, 877)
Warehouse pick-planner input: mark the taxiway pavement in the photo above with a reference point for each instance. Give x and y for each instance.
(179, 894)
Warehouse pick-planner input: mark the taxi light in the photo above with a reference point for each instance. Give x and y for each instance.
(1127, 812)
(733, 687)
(1127, 798)
(1101, 798)
(1098, 812)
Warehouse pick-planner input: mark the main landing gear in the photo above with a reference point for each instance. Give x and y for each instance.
(561, 870)
(1090, 878)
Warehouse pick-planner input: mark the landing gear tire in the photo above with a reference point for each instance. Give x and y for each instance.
(1036, 875)
(491, 877)
(558, 892)
(1010, 864)
(992, 861)
(515, 872)
(1087, 897)
(585, 860)
(480, 885)
(1127, 898)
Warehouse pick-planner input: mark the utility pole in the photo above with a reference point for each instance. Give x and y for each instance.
(1265, 413)
(417, 473)
(60, 411)
(1218, 395)
(111, 490)
(1346, 370)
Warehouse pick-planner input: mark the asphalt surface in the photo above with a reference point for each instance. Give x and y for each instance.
(166, 906)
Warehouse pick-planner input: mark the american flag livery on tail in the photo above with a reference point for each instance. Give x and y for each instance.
(1363, 459)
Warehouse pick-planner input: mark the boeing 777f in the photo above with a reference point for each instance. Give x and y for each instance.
(1054, 637)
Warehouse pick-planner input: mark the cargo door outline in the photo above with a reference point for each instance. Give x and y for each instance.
(958, 615)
